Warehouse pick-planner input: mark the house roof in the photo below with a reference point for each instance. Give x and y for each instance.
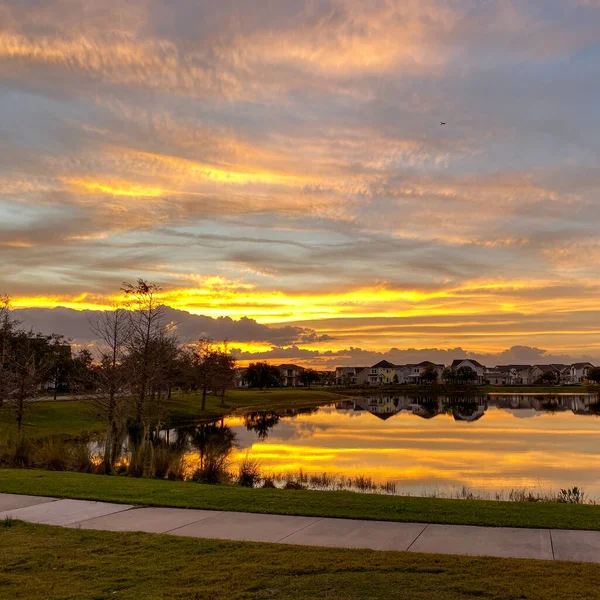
(457, 362)
(581, 365)
(290, 366)
(383, 364)
(428, 363)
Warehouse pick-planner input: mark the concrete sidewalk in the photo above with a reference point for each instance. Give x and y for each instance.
(308, 531)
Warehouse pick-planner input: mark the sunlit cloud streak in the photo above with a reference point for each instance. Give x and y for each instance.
(293, 154)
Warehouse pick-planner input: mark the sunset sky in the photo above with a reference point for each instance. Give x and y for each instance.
(284, 161)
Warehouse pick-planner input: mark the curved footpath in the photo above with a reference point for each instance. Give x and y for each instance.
(542, 544)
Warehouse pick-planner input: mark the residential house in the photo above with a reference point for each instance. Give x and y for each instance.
(516, 374)
(579, 371)
(538, 371)
(382, 373)
(239, 377)
(480, 370)
(563, 372)
(326, 378)
(498, 376)
(416, 371)
(403, 373)
(347, 375)
(291, 375)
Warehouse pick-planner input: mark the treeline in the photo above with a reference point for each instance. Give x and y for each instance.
(139, 360)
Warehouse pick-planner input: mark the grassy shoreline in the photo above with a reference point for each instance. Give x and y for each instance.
(75, 417)
(39, 561)
(153, 492)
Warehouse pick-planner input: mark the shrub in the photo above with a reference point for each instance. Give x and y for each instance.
(571, 496)
(249, 473)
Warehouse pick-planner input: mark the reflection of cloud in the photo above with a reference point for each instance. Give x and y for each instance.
(495, 452)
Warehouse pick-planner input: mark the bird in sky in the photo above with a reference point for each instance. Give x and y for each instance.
(442, 123)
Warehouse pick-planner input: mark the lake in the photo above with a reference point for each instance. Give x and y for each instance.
(489, 444)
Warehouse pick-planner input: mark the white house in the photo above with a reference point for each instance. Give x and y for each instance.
(291, 374)
(413, 373)
(580, 371)
(479, 369)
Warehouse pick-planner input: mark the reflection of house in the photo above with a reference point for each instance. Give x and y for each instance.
(347, 375)
(470, 415)
(291, 375)
(579, 372)
(382, 372)
(381, 406)
(479, 369)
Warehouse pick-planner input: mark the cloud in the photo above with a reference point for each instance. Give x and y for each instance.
(365, 358)
(75, 325)
(294, 150)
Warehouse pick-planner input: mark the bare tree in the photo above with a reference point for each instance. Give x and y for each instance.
(146, 326)
(148, 335)
(109, 380)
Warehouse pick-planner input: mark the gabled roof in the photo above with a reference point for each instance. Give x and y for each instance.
(457, 362)
(289, 366)
(581, 365)
(428, 363)
(383, 364)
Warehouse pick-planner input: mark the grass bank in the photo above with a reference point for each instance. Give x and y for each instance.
(153, 492)
(38, 561)
(75, 417)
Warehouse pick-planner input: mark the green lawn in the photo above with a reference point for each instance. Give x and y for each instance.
(188, 407)
(153, 492)
(63, 417)
(74, 417)
(50, 563)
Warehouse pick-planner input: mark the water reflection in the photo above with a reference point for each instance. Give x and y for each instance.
(421, 443)
(470, 408)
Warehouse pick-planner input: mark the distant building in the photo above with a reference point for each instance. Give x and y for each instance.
(382, 372)
(497, 377)
(239, 377)
(291, 375)
(480, 370)
(579, 372)
(347, 375)
(326, 378)
(415, 372)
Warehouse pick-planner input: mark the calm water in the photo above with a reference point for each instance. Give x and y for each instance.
(489, 444)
